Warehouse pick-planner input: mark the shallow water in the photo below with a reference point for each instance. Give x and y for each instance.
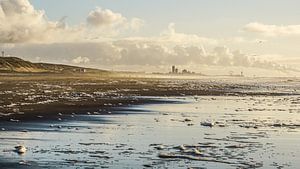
(246, 132)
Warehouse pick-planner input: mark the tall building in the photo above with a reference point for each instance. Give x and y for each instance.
(173, 69)
(3, 54)
(176, 70)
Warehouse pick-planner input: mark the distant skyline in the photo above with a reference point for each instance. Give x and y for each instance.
(129, 34)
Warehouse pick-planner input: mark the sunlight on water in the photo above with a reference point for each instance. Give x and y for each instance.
(209, 132)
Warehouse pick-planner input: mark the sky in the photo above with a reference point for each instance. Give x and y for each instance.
(140, 35)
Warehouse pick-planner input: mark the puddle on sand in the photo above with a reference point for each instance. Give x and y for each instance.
(203, 132)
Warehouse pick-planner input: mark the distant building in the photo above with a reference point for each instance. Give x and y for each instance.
(184, 71)
(3, 54)
(231, 73)
(173, 69)
(80, 70)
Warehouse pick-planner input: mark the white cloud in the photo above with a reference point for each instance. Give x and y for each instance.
(104, 17)
(80, 60)
(171, 35)
(137, 53)
(136, 24)
(272, 30)
(112, 23)
(18, 20)
(21, 23)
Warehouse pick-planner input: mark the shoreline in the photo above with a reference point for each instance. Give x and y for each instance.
(26, 99)
(237, 131)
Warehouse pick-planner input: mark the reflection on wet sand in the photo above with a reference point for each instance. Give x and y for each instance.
(195, 132)
(161, 123)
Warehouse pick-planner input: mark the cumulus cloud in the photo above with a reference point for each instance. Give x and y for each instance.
(132, 53)
(272, 30)
(104, 17)
(113, 23)
(20, 22)
(171, 35)
(80, 60)
(136, 24)
(149, 54)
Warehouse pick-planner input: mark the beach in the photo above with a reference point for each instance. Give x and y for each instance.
(122, 122)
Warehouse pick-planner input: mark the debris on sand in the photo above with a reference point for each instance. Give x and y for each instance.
(22, 162)
(207, 124)
(187, 120)
(14, 120)
(278, 124)
(196, 151)
(24, 131)
(20, 149)
(181, 147)
(148, 165)
(193, 151)
(189, 157)
(235, 146)
(99, 156)
(160, 147)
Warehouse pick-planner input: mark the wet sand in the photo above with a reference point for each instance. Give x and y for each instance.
(144, 123)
